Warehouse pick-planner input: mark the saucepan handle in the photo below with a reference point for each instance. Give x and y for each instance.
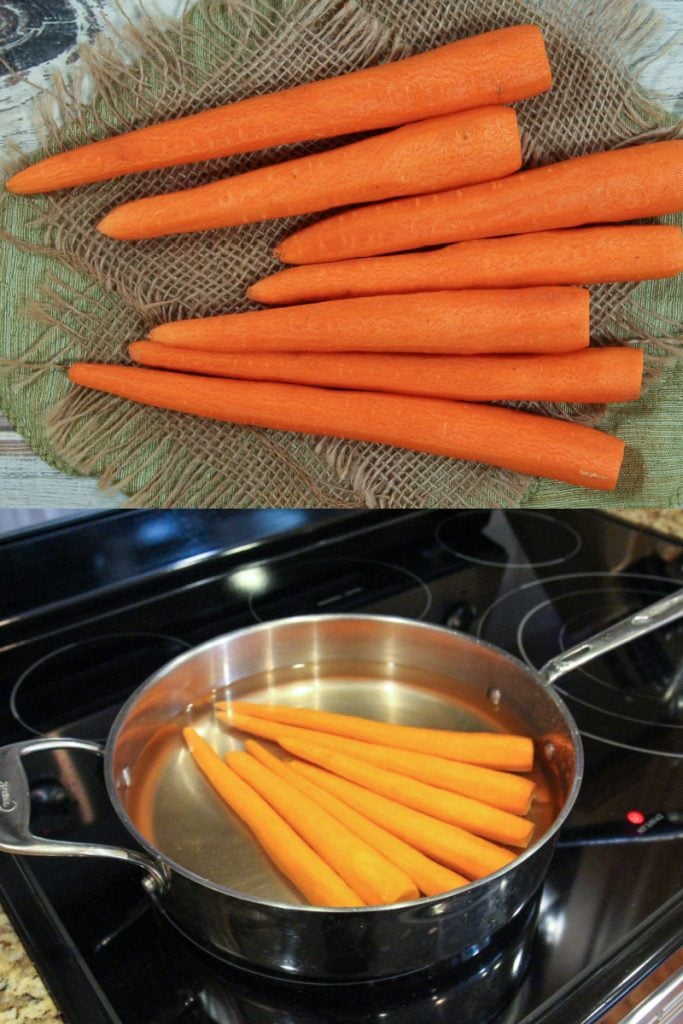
(658, 614)
(15, 813)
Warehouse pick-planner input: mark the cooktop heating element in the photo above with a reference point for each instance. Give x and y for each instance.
(127, 592)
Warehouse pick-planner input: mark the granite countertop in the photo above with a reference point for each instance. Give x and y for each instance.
(23, 997)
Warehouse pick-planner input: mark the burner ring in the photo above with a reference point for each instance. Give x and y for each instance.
(585, 671)
(566, 540)
(601, 718)
(38, 689)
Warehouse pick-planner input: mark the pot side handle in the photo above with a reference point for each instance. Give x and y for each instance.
(658, 614)
(15, 812)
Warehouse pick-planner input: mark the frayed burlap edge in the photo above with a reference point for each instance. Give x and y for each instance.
(365, 472)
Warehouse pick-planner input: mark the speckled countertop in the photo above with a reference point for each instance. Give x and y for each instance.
(23, 998)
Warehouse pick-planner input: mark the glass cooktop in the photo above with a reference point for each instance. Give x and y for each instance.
(75, 643)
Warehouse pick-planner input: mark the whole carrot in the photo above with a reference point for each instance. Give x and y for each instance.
(458, 849)
(625, 184)
(430, 878)
(502, 66)
(479, 818)
(611, 374)
(458, 322)
(428, 156)
(297, 861)
(582, 256)
(519, 441)
(370, 874)
(506, 790)
(494, 749)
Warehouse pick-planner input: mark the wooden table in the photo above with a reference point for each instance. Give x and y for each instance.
(25, 480)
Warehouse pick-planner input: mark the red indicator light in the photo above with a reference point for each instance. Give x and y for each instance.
(635, 817)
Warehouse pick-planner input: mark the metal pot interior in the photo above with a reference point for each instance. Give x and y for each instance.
(390, 669)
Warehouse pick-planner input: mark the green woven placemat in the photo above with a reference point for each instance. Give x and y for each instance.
(67, 297)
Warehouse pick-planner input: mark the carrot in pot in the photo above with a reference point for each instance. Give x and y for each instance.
(430, 877)
(611, 374)
(502, 66)
(569, 256)
(448, 844)
(519, 441)
(371, 875)
(620, 185)
(474, 816)
(508, 791)
(529, 320)
(491, 749)
(428, 156)
(295, 859)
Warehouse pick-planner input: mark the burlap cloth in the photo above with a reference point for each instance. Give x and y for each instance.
(69, 293)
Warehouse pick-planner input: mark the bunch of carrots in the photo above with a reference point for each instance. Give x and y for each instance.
(452, 282)
(368, 812)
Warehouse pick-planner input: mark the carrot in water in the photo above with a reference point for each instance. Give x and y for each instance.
(624, 184)
(370, 874)
(295, 859)
(612, 374)
(520, 441)
(508, 791)
(502, 66)
(491, 749)
(479, 818)
(448, 844)
(430, 878)
(570, 256)
(428, 156)
(500, 320)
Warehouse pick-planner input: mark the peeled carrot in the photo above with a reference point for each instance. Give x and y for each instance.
(626, 184)
(463, 322)
(582, 256)
(611, 374)
(502, 66)
(472, 815)
(518, 441)
(458, 849)
(296, 860)
(508, 791)
(491, 749)
(428, 156)
(430, 878)
(370, 874)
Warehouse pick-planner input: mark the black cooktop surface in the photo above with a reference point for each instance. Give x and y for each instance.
(125, 593)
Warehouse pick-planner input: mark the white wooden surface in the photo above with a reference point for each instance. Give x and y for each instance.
(25, 480)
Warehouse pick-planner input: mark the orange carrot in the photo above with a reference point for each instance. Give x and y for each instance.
(430, 878)
(428, 156)
(296, 860)
(370, 874)
(462, 322)
(472, 815)
(518, 441)
(582, 256)
(503, 66)
(505, 790)
(626, 184)
(491, 749)
(448, 844)
(611, 374)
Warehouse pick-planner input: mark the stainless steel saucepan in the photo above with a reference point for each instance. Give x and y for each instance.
(203, 869)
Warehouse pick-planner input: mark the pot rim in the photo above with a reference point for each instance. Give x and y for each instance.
(422, 901)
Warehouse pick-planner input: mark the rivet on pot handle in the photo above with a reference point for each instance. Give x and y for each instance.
(658, 614)
(15, 813)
